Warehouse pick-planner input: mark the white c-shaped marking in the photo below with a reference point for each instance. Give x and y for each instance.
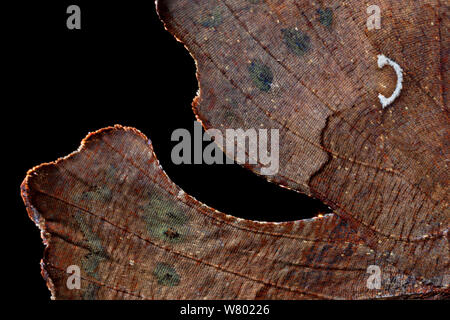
(382, 61)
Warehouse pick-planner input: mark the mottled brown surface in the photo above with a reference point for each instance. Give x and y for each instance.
(111, 209)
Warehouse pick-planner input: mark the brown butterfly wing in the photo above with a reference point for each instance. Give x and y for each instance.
(309, 71)
(384, 171)
(109, 209)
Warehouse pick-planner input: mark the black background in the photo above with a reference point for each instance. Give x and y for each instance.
(122, 67)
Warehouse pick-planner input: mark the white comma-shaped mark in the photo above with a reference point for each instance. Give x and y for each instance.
(382, 61)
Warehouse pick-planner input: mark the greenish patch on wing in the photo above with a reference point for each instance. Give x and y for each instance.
(93, 259)
(261, 75)
(211, 19)
(97, 193)
(297, 41)
(325, 16)
(165, 219)
(166, 275)
(91, 292)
